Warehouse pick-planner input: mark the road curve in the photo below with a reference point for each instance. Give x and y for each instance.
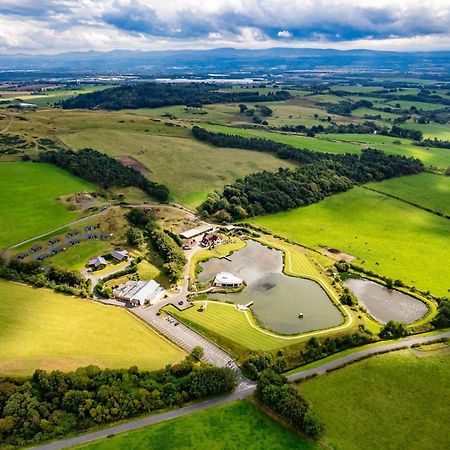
(239, 394)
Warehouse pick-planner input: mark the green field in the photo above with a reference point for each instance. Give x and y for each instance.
(235, 426)
(29, 199)
(191, 169)
(425, 189)
(346, 143)
(394, 401)
(431, 130)
(43, 329)
(387, 236)
(77, 256)
(423, 106)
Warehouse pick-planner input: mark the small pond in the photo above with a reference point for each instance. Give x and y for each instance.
(385, 305)
(278, 299)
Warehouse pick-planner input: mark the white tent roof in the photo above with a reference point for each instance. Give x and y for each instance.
(227, 278)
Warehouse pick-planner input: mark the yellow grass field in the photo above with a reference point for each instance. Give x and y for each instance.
(46, 330)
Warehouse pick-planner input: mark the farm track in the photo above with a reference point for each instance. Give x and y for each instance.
(240, 394)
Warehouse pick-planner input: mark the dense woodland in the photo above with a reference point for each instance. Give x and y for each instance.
(282, 397)
(322, 175)
(103, 170)
(154, 95)
(50, 405)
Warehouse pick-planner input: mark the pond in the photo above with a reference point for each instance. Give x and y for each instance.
(278, 299)
(385, 305)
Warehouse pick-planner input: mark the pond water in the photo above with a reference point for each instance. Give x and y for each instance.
(278, 299)
(385, 305)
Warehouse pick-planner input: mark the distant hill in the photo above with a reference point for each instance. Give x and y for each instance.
(228, 60)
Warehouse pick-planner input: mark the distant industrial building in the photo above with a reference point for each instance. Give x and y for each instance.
(139, 293)
(227, 280)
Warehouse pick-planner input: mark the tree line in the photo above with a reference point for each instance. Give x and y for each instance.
(67, 281)
(50, 405)
(367, 127)
(323, 174)
(103, 170)
(154, 95)
(166, 244)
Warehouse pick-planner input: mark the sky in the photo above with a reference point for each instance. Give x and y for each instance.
(55, 26)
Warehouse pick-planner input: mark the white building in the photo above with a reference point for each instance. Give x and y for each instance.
(227, 280)
(139, 293)
(192, 233)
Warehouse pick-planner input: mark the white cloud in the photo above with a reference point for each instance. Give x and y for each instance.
(59, 25)
(284, 34)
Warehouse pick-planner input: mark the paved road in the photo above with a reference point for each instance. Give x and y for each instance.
(239, 394)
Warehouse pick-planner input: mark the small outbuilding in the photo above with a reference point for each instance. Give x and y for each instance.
(227, 280)
(120, 255)
(98, 263)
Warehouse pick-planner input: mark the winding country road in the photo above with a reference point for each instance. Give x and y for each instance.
(239, 394)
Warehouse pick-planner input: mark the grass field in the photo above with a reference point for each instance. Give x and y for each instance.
(387, 236)
(29, 199)
(431, 130)
(346, 143)
(235, 426)
(191, 169)
(425, 189)
(77, 256)
(43, 329)
(393, 401)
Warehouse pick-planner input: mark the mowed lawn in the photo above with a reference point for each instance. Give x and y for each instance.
(425, 189)
(226, 322)
(46, 330)
(28, 199)
(235, 426)
(387, 236)
(191, 169)
(395, 401)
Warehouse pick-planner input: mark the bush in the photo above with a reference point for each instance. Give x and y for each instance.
(393, 330)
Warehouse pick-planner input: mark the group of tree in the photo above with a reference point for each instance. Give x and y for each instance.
(442, 319)
(165, 243)
(346, 108)
(274, 391)
(154, 95)
(393, 329)
(68, 281)
(50, 405)
(258, 112)
(322, 175)
(318, 348)
(366, 127)
(103, 170)
(256, 363)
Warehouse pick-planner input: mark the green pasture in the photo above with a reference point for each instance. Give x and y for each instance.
(393, 401)
(361, 112)
(425, 189)
(191, 169)
(234, 426)
(46, 330)
(29, 199)
(76, 256)
(423, 106)
(386, 236)
(431, 130)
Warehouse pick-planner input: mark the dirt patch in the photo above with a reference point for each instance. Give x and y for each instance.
(129, 161)
(337, 254)
(80, 201)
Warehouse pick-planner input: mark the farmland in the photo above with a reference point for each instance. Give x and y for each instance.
(29, 199)
(42, 329)
(234, 426)
(425, 189)
(195, 168)
(383, 402)
(376, 229)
